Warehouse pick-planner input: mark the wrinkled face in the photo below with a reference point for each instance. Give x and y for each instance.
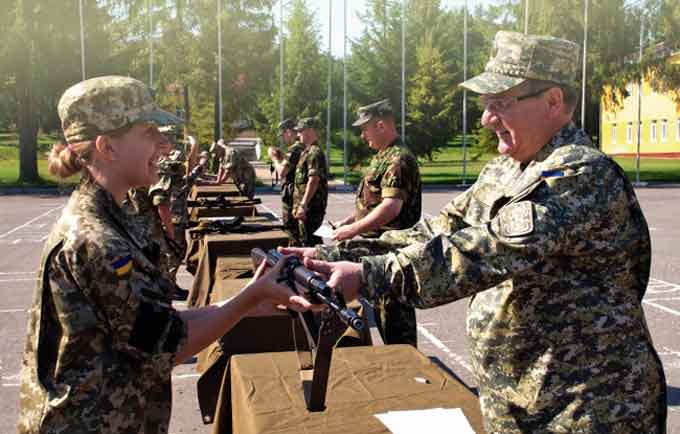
(136, 154)
(517, 117)
(288, 136)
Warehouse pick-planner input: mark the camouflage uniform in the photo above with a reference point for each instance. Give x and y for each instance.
(312, 163)
(102, 337)
(171, 191)
(241, 171)
(287, 188)
(139, 204)
(556, 255)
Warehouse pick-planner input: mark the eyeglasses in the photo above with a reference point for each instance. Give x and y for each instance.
(499, 105)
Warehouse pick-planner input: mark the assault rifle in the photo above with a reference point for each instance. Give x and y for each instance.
(320, 335)
(316, 289)
(221, 202)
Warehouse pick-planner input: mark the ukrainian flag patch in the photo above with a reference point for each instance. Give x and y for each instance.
(123, 266)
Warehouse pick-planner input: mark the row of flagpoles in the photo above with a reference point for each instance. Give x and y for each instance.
(403, 71)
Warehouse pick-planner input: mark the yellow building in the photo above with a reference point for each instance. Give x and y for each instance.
(660, 119)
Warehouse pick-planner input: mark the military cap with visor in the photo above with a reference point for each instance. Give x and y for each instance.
(286, 124)
(521, 57)
(106, 104)
(305, 123)
(371, 111)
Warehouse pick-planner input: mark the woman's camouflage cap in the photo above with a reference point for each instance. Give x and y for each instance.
(522, 57)
(375, 110)
(103, 104)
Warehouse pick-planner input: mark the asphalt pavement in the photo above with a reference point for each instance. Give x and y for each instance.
(25, 221)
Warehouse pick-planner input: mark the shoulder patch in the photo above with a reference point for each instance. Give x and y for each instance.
(123, 266)
(552, 173)
(517, 219)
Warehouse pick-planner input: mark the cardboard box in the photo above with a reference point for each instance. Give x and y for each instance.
(267, 393)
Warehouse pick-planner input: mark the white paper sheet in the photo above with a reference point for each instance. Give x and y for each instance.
(432, 421)
(325, 231)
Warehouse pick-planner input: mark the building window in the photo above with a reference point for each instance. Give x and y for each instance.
(613, 133)
(629, 132)
(652, 131)
(664, 130)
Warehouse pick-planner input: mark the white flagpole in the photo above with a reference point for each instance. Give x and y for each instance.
(219, 65)
(465, 60)
(281, 61)
(403, 70)
(82, 39)
(344, 96)
(583, 79)
(150, 18)
(330, 76)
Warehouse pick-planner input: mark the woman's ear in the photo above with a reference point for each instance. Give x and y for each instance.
(104, 148)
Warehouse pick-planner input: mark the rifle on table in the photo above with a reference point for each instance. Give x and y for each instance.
(221, 202)
(315, 364)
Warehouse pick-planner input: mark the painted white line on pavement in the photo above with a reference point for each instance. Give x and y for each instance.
(664, 308)
(437, 343)
(14, 273)
(16, 280)
(266, 208)
(11, 231)
(664, 299)
(182, 376)
(13, 310)
(17, 241)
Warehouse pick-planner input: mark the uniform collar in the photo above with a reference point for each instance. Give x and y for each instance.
(569, 134)
(395, 143)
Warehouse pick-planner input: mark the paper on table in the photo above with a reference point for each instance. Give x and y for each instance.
(437, 421)
(325, 231)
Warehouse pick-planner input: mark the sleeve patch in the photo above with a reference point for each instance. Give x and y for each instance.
(517, 219)
(123, 266)
(552, 173)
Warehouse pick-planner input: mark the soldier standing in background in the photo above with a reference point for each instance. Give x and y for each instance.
(310, 194)
(234, 166)
(389, 197)
(286, 168)
(552, 246)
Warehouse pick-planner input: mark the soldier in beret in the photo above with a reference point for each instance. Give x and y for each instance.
(310, 193)
(552, 247)
(389, 197)
(286, 168)
(102, 336)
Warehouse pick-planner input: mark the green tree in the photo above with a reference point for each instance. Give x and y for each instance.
(430, 102)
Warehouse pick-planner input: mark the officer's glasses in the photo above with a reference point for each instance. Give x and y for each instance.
(500, 105)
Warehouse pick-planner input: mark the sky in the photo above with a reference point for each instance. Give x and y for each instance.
(354, 26)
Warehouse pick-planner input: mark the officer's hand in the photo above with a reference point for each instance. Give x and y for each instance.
(265, 287)
(344, 276)
(300, 213)
(343, 233)
(274, 153)
(300, 252)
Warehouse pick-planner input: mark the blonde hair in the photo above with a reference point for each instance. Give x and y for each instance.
(64, 161)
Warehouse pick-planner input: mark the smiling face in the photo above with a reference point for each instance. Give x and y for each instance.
(521, 120)
(136, 154)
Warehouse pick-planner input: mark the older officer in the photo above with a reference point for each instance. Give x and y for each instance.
(286, 169)
(389, 197)
(551, 244)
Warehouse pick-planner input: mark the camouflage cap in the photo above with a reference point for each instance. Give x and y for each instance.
(304, 123)
(522, 57)
(375, 110)
(286, 124)
(100, 105)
